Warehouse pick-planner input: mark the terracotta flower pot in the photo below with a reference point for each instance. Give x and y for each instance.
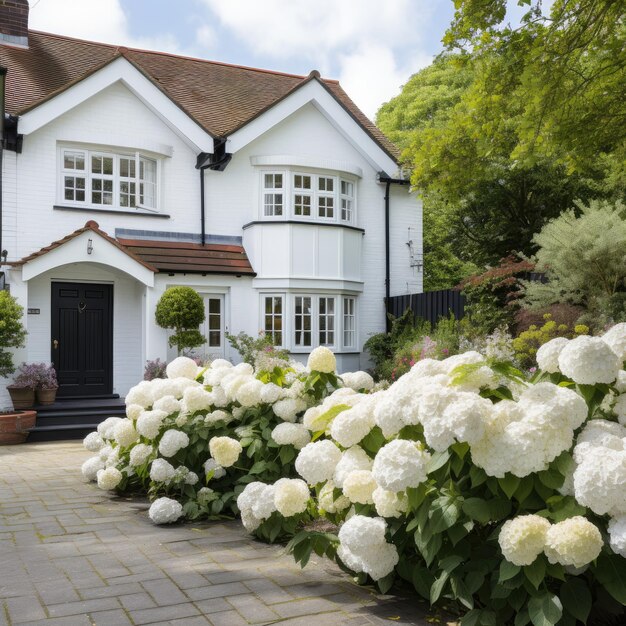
(22, 397)
(14, 427)
(46, 396)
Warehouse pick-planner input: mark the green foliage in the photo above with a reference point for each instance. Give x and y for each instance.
(583, 258)
(181, 309)
(12, 332)
(529, 341)
(250, 348)
(493, 295)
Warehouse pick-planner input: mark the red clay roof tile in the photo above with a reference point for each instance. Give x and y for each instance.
(218, 96)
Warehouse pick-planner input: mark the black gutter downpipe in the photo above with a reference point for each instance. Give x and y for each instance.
(382, 178)
(3, 75)
(216, 162)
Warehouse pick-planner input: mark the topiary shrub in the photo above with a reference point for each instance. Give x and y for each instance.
(181, 309)
(12, 331)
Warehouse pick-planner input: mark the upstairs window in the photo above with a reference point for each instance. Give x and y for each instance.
(103, 179)
(273, 195)
(308, 197)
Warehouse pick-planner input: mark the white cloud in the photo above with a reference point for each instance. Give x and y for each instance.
(371, 75)
(358, 41)
(95, 20)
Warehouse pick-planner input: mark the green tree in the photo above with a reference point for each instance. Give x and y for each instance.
(12, 333)
(181, 309)
(584, 258)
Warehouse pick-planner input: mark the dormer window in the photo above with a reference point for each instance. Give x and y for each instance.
(95, 179)
(308, 196)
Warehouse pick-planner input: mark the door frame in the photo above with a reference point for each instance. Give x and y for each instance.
(111, 347)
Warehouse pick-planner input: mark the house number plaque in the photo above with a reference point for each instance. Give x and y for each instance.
(34, 311)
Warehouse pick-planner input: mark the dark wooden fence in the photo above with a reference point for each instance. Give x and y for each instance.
(430, 305)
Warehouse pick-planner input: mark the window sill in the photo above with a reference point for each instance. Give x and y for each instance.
(304, 223)
(112, 211)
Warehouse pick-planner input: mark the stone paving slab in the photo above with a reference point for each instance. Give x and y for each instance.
(71, 554)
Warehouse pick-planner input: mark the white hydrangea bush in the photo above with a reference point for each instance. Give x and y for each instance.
(466, 479)
(215, 425)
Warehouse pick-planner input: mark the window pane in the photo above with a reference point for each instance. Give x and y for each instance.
(273, 319)
(301, 181)
(214, 305)
(302, 321)
(278, 181)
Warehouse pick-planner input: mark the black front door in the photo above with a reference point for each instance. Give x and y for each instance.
(82, 338)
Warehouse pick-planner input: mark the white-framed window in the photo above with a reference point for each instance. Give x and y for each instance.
(273, 194)
(303, 322)
(105, 179)
(346, 199)
(302, 195)
(273, 320)
(326, 320)
(307, 196)
(349, 322)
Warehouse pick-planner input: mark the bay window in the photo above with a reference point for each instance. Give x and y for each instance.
(308, 196)
(104, 179)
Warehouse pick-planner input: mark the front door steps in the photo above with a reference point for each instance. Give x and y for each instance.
(73, 418)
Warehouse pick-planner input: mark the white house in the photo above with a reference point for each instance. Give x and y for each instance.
(125, 172)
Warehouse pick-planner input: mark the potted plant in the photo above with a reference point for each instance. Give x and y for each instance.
(22, 389)
(46, 390)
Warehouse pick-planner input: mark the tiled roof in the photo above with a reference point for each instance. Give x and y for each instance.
(191, 258)
(219, 97)
(94, 227)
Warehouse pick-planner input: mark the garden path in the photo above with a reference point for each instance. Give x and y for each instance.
(71, 554)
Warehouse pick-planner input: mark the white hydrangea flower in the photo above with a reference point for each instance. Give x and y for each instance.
(210, 465)
(220, 363)
(355, 458)
(389, 503)
(317, 461)
(400, 464)
(363, 547)
(172, 441)
(225, 450)
(296, 435)
(271, 393)
(125, 434)
(197, 399)
(617, 535)
(167, 404)
(574, 541)
(105, 452)
(161, 471)
(589, 360)
(93, 442)
(107, 427)
(214, 376)
(133, 411)
(358, 381)
(109, 478)
(249, 394)
(113, 458)
(291, 496)
(165, 510)
(562, 404)
(326, 499)
(620, 383)
(256, 503)
(141, 394)
(615, 338)
(182, 367)
(548, 354)
(163, 387)
(358, 486)
(600, 474)
(322, 360)
(139, 454)
(295, 390)
(523, 538)
(91, 467)
(244, 369)
(149, 423)
(352, 425)
(288, 408)
(191, 478)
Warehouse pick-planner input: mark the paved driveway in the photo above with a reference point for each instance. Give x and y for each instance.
(71, 554)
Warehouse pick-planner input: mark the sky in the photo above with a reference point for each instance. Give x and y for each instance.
(371, 46)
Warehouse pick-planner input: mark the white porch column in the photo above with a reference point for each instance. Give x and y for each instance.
(155, 337)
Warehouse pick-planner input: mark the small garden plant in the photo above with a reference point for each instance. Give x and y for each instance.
(181, 309)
